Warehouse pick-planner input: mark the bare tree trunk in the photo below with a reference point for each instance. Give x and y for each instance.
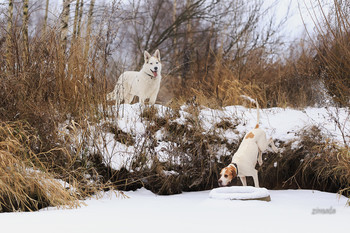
(76, 15)
(217, 77)
(174, 38)
(80, 16)
(9, 55)
(25, 33)
(88, 29)
(187, 48)
(46, 15)
(64, 23)
(189, 24)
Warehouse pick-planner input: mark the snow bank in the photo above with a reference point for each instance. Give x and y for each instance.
(280, 124)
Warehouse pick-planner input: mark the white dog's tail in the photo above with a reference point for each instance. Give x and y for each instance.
(257, 114)
(110, 96)
(113, 95)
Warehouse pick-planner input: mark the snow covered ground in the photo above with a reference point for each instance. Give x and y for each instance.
(289, 211)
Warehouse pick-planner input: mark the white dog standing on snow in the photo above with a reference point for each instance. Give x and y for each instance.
(145, 84)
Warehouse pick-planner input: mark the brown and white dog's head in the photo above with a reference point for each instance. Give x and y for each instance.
(227, 174)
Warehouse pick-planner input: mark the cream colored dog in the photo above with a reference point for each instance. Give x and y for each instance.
(145, 84)
(244, 160)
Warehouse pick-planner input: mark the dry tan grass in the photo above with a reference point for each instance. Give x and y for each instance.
(291, 81)
(54, 87)
(331, 164)
(25, 183)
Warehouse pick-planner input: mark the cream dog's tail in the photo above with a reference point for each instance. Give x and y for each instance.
(257, 114)
(257, 108)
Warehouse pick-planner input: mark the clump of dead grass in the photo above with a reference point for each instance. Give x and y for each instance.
(314, 162)
(26, 184)
(331, 165)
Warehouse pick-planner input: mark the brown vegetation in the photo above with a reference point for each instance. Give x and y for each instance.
(212, 55)
(26, 183)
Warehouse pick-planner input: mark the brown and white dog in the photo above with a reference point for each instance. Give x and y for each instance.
(249, 152)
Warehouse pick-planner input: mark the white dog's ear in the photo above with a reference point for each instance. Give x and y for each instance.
(157, 54)
(147, 56)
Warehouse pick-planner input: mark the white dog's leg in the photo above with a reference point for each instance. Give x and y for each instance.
(262, 144)
(118, 94)
(118, 99)
(128, 98)
(274, 148)
(256, 179)
(152, 100)
(260, 161)
(244, 180)
(142, 100)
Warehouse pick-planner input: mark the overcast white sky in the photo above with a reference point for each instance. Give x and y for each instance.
(293, 28)
(299, 10)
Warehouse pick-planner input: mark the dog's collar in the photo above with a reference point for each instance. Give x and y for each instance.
(235, 166)
(151, 76)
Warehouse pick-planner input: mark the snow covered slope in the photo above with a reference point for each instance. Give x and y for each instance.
(280, 124)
